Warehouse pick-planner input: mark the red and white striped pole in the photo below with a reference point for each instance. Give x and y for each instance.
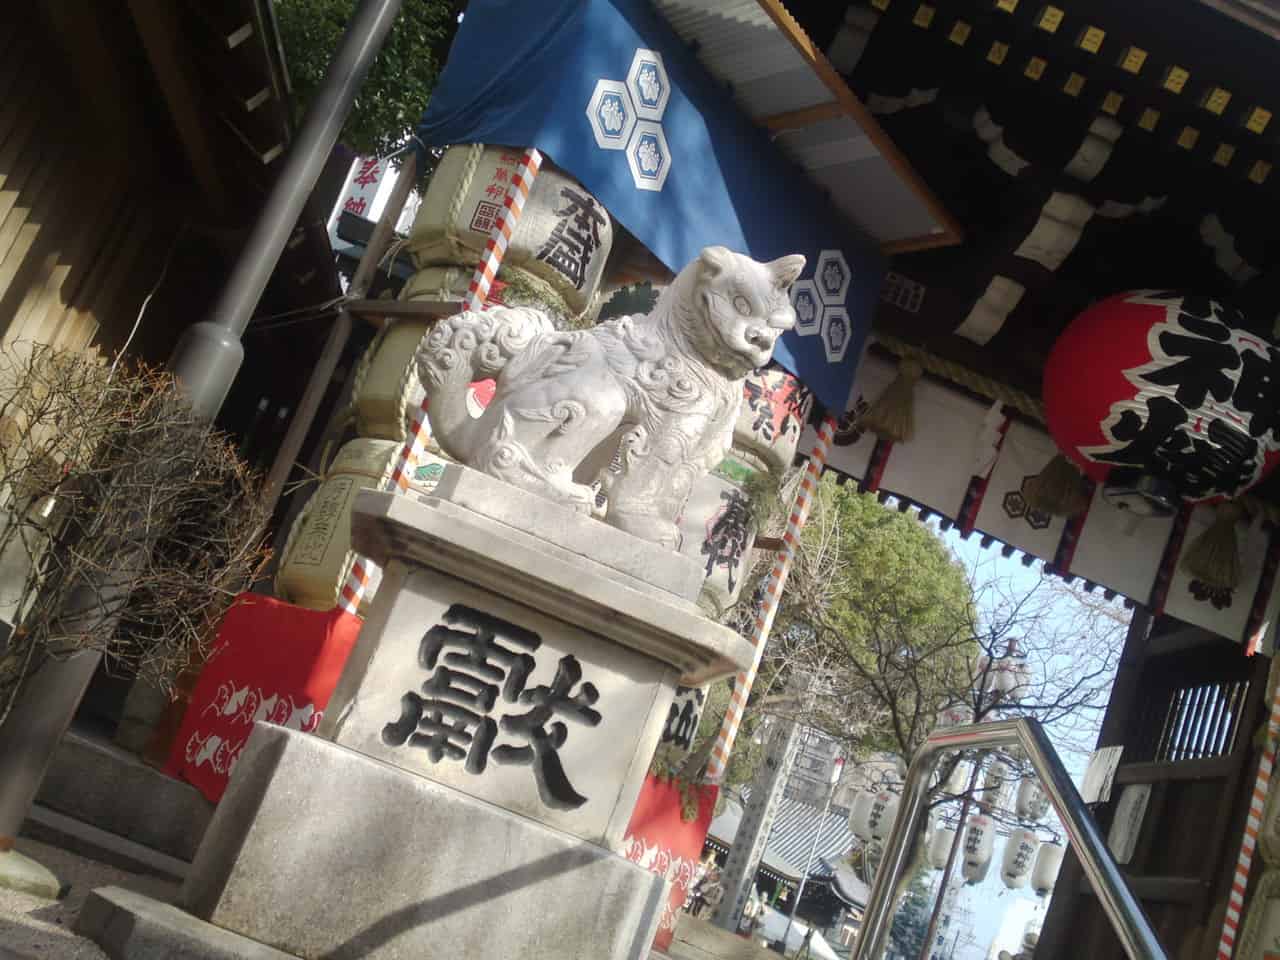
(763, 622)
(499, 237)
(1253, 824)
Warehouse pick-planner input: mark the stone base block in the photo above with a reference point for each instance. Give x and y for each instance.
(100, 784)
(131, 926)
(320, 851)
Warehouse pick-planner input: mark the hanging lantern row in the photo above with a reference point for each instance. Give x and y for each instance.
(1025, 859)
(1005, 678)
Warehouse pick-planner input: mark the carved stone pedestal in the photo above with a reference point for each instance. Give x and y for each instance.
(480, 759)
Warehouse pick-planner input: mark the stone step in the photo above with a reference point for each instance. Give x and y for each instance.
(97, 783)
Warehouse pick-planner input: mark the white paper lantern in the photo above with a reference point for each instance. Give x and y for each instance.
(1032, 802)
(955, 715)
(995, 783)
(958, 780)
(979, 845)
(1048, 862)
(883, 812)
(940, 847)
(860, 816)
(1019, 854)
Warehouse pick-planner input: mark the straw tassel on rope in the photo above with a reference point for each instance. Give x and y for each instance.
(893, 415)
(1213, 558)
(1057, 490)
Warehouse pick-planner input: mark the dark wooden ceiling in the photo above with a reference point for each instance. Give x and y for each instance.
(1185, 155)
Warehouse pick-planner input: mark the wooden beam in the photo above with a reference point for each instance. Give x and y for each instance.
(1212, 768)
(158, 29)
(952, 233)
(1162, 889)
(804, 117)
(378, 312)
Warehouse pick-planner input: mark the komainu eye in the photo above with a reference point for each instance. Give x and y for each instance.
(741, 304)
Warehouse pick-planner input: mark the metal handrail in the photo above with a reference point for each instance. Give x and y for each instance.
(1118, 902)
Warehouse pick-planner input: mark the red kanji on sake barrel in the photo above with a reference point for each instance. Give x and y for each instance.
(1164, 395)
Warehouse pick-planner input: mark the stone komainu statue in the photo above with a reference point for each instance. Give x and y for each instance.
(659, 391)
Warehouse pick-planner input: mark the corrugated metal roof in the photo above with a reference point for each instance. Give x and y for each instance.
(791, 838)
(742, 45)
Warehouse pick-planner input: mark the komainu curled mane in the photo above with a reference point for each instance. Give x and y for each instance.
(663, 390)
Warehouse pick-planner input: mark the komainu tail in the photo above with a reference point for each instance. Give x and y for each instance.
(465, 348)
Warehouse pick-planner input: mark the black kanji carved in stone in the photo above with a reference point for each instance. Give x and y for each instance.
(478, 661)
(541, 753)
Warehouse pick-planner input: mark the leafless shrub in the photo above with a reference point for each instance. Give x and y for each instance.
(126, 525)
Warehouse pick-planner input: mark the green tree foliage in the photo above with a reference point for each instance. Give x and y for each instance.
(880, 615)
(911, 921)
(393, 96)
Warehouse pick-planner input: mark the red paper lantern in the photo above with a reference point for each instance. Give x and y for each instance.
(1164, 398)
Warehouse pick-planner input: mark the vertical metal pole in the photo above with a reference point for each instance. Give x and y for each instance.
(339, 333)
(210, 353)
(956, 842)
(808, 863)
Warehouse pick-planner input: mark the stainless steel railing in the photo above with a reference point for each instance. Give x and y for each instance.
(1118, 902)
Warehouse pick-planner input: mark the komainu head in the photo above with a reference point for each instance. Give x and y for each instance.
(736, 308)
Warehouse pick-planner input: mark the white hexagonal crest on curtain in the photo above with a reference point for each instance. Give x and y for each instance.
(612, 115)
(648, 156)
(832, 275)
(648, 83)
(804, 297)
(836, 333)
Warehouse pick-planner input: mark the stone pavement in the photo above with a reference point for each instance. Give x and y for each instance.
(700, 940)
(35, 929)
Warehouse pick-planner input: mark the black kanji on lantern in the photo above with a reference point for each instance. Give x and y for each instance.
(575, 237)
(760, 403)
(478, 661)
(1204, 457)
(727, 538)
(1258, 392)
(682, 717)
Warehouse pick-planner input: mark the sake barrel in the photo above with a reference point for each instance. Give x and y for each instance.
(1032, 802)
(563, 236)
(683, 716)
(511, 287)
(774, 408)
(1044, 875)
(979, 845)
(386, 388)
(317, 554)
(717, 530)
(940, 847)
(1019, 855)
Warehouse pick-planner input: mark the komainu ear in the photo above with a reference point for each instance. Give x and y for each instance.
(715, 260)
(786, 270)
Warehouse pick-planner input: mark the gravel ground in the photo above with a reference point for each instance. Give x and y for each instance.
(33, 928)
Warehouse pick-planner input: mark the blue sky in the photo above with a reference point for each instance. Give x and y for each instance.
(999, 915)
